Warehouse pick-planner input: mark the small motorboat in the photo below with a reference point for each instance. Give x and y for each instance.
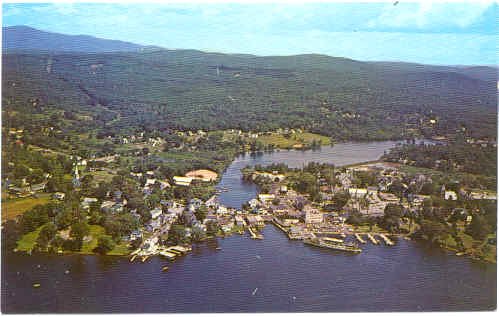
(36, 285)
(164, 269)
(218, 248)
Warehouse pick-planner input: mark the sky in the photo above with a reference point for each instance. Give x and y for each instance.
(429, 33)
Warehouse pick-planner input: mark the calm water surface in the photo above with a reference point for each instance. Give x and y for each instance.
(339, 154)
(273, 274)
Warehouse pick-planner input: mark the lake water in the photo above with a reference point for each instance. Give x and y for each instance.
(339, 154)
(272, 275)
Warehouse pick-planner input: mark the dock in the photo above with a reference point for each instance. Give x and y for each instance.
(255, 235)
(333, 240)
(373, 240)
(386, 239)
(168, 255)
(359, 238)
(278, 225)
(180, 248)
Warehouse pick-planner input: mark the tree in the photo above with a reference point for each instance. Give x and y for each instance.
(56, 243)
(79, 230)
(177, 234)
(201, 213)
(212, 227)
(396, 188)
(479, 228)
(120, 225)
(306, 183)
(198, 234)
(340, 199)
(104, 244)
(391, 217)
(64, 219)
(433, 230)
(427, 189)
(354, 218)
(34, 218)
(47, 233)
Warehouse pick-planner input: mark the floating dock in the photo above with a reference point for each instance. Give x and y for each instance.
(373, 240)
(386, 239)
(359, 238)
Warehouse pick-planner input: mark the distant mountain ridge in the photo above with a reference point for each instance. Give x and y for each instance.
(125, 86)
(28, 38)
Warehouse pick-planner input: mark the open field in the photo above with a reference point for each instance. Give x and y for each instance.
(95, 232)
(27, 242)
(304, 138)
(11, 208)
(102, 176)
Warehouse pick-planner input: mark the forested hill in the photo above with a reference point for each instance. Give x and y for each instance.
(27, 38)
(187, 89)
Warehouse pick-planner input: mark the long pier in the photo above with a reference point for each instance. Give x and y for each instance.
(373, 240)
(359, 238)
(386, 239)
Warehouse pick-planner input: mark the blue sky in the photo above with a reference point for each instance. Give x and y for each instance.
(438, 33)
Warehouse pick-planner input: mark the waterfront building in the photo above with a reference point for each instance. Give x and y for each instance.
(313, 216)
(266, 197)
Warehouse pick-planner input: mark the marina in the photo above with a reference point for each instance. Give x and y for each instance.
(278, 265)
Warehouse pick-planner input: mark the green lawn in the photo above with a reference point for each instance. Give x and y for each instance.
(27, 241)
(120, 249)
(102, 176)
(304, 138)
(95, 232)
(11, 208)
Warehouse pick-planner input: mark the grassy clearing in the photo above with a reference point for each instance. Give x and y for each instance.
(28, 241)
(102, 176)
(120, 249)
(95, 232)
(11, 208)
(304, 138)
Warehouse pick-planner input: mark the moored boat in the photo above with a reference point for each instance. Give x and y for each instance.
(333, 245)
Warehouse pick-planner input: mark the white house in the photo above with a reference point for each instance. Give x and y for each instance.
(450, 195)
(156, 212)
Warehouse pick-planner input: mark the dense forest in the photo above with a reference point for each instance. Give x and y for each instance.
(158, 90)
(452, 157)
